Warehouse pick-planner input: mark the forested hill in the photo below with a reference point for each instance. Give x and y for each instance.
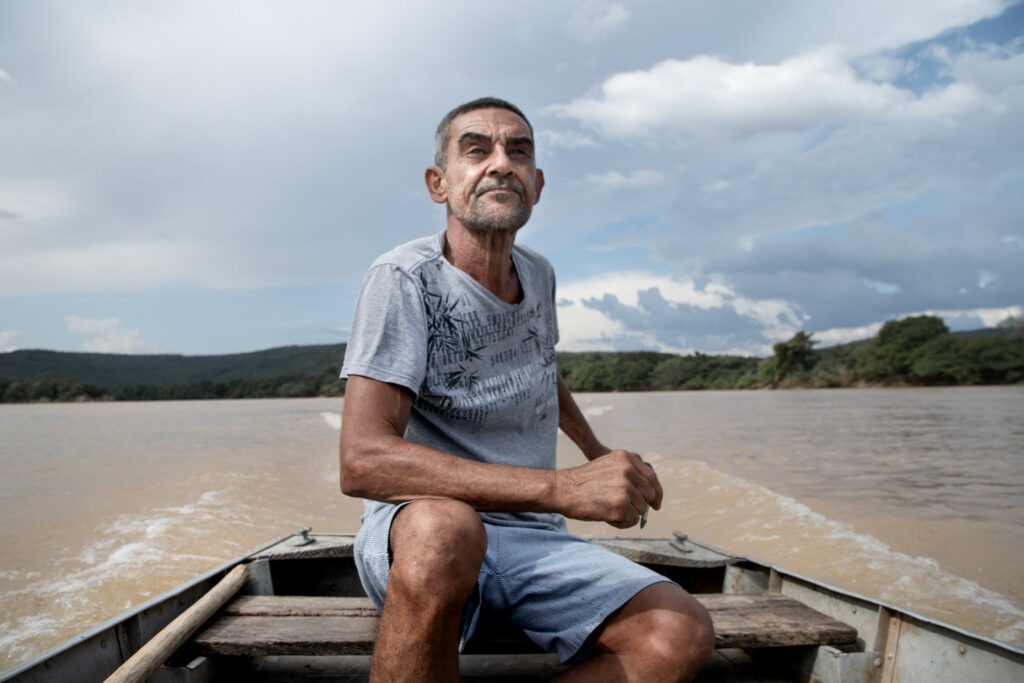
(919, 350)
(113, 370)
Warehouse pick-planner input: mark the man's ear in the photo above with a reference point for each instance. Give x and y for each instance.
(539, 185)
(436, 185)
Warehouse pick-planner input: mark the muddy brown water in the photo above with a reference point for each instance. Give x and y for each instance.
(911, 496)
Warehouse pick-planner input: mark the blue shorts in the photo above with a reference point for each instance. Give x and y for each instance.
(558, 588)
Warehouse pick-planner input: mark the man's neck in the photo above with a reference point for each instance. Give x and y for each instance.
(486, 257)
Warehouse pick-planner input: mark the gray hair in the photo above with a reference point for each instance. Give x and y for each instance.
(443, 134)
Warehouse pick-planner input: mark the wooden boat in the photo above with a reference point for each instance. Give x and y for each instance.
(301, 615)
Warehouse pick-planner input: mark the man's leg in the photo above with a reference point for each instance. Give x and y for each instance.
(437, 549)
(661, 634)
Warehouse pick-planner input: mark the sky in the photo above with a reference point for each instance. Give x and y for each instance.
(215, 177)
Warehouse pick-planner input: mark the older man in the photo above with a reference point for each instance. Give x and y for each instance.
(451, 415)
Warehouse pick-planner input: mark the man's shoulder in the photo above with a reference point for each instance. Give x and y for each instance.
(411, 255)
(537, 261)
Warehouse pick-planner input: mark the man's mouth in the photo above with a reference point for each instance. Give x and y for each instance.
(509, 189)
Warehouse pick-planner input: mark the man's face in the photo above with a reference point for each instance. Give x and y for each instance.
(491, 181)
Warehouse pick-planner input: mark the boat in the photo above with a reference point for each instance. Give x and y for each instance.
(294, 610)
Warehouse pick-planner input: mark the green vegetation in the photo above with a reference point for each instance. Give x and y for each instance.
(646, 370)
(915, 351)
(285, 372)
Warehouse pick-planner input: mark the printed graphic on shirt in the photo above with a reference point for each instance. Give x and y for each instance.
(479, 363)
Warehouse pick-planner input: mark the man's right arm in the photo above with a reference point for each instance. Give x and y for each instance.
(378, 463)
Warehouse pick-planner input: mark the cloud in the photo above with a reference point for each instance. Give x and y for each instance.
(812, 157)
(557, 139)
(636, 309)
(5, 341)
(706, 95)
(613, 180)
(856, 202)
(593, 20)
(107, 336)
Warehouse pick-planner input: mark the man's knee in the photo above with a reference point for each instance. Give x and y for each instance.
(437, 549)
(684, 635)
(664, 629)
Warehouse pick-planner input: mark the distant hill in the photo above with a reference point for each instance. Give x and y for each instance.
(113, 370)
(985, 332)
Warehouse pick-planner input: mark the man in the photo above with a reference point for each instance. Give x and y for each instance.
(451, 414)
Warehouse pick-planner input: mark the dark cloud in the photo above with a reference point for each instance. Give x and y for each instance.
(680, 324)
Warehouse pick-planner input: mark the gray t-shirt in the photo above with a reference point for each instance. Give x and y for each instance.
(482, 370)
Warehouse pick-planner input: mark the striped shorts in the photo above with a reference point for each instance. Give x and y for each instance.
(557, 587)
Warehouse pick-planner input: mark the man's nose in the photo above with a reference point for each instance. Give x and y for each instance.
(500, 163)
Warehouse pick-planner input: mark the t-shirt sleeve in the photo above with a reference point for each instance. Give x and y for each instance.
(387, 341)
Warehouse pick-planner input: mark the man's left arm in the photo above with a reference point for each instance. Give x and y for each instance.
(575, 425)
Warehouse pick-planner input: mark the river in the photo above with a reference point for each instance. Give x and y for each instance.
(912, 496)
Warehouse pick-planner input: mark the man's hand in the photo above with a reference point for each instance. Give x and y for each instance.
(615, 488)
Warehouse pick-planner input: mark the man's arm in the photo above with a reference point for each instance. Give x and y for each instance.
(575, 426)
(378, 463)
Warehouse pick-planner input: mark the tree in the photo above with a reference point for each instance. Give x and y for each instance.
(1015, 324)
(943, 360)
(794, 356)
(889, 355)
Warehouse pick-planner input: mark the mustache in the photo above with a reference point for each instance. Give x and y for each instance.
(500, 183)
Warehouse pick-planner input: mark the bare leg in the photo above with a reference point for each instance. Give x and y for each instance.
(437, 549)
(662, 634)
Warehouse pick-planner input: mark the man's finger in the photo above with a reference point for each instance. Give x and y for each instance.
(652, 480)
(647, 508)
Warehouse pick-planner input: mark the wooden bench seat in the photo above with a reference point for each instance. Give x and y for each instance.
(280, 625)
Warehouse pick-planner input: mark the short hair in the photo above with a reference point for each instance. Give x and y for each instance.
(443, 134)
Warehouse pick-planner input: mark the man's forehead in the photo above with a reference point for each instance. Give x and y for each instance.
(492, 122)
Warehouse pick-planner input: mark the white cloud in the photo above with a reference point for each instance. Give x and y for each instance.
(593, 20)
(584, 327)
(706, 95)
(989, 317)
(132, 265)
(613, 180)
(844, 335)
(5, 340)
(563, 139)
(107, 336)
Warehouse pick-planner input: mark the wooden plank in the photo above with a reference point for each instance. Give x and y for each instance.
(279, 625)
(771, 620)
(254, 636)
(299, 606)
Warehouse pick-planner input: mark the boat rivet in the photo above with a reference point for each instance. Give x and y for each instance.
(889, 655)
(878, 662)
(103, 642)
(853, 609)
(963, 650)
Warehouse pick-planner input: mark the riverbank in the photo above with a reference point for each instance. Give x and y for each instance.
(916, 351)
